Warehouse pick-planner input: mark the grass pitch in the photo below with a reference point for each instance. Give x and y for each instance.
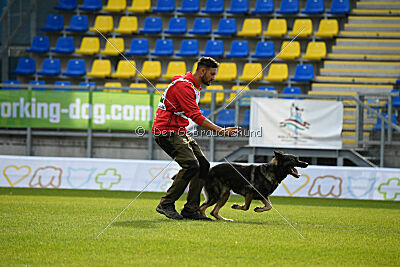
(59, 227)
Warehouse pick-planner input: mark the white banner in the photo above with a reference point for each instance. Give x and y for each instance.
(134, 175)
(296, 123)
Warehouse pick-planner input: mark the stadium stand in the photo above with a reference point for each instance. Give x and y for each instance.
(315, 51)
(303, 73)
(54, 23)
(314, 7)
(164, 6)
(103, 24)
(214, 7)
(91, 5)
(239, 7)
(64, 84)
(150, 70)
(263, 7)
(79, 23)
(201, 26)
(125, 70)
(238, 49)
(115, 6)
(163, 48)
(226, 118)
(289, 7)
(251, 71)
(207, 97)
(40, 44)
(175, 68)
(113, 47)
(139, 47)
(226, 27)
(176, 26)
(251, 27)
(276, 28)
(138, 85)
(75, 67)
(152, 25)
(127, 25)
(89, 46)
(140, 6)
(189, 6)
(101, 68)
(66, 5)
(290, 50)
(227, 71)
(50, 67)
(264, 49)
(188, 48)
(214, 49)
(278, 72)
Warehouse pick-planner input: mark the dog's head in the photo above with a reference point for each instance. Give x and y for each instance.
(287, 163)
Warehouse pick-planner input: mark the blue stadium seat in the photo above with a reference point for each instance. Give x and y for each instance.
(205, 112)
(340, 7)
(79, 23)
(214, 49)
(37, 83)
(139, 47)
(75, 68)
(314, 7)
(289, 7)
(226, 27)
(54, 23)
(264, 49)
(239, 49)
(63, 83)
(176, 26)
(91, 5)
(66, 5)
(378, 125)
(201, 26)
(51, 67)
(86, 84)
(291, 91)
(189, 48)
(163, 48)
(189, 6)
(263, 7)
(40, 44)
(152, 25)
(238, 7)
(11, 82)
(25, 66)
(246, 119)
(214, 7)
(396, 99)
(164, 6)
(64, 45)
(226, 118)
(303, 73)
(266, 88)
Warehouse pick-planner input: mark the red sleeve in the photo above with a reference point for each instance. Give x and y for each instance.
(187, 100)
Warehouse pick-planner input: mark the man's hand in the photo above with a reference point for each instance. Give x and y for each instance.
(230, 131)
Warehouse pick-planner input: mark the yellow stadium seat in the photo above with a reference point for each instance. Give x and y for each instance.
(127, 25)
(226, 72)
(315, 51)
(251, 27)
(112, 50)
(194, 67)
(111, 85)
(237, 88)
(175, 68)
(115, 5)
(278, 72)
(150, 70)
(327, 28)
(125, 70)
(138, 85)
(100, 68)
(89, 46)
(140, 6)
(219, 98)
(161, 88)
(103, 23)
(302, 27)
(276, 27)
(290, 50)
(251, 71)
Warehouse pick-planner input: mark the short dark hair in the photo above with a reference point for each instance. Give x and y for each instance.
(207, 62)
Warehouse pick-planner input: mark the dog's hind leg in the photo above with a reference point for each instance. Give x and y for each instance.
(247, 201)
(267, 206)
(221, 202)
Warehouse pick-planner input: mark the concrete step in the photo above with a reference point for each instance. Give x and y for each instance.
(378, 5)
(349, 87)
(352, 127)
(369, 34)
(360, 73)
(366, 11)
(372, 27)
(361, 65)
(360, 80)
(375, 50)
(374, 20)
(368, 42)
(364, 56)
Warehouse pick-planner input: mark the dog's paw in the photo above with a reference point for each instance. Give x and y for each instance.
(235, 206)
(258, 209)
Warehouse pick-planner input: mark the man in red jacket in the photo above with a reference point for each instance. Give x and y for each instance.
(178, 103)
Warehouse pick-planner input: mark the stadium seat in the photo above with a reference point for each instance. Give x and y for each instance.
(263, 7)
(79, 23)
(291, 91)
(75, 68)
(54, 23)
(40, 44)
(11, 82)
(66, 5)
(207, 98)
(289, 7)
(91, 5)
(139, 47)
(150, 70)
(50, 67)
(87, 84)
(237, 88)
(201, 26)
(101, 68)
(267, 88)
(239, 49)
(314, 7)
(227, 71)
(127, 25)
(226, 118)
(115, 6)
(160, 88)
(396, 99)
(164, 6)
(315, 51)
(189, 6)
(276, 28)
(378, 125)
(238, 7)
(251, 27)
(140, 6)
(251, 72)
(214, 7)
(103, 23)
(113, 45)
(152, 25)
(340, 7)
(125, 70)
(327, 28)
(163, 48)
(25, 66)
(246, 119)
(113, 85)
(290, 50)
(89, 46)
(189, 48)
(37, 83)
(214, 49)
(175, 68)
(303, 73)
(138, 85)
(278, 72)
(302, 28)
(176, 26)
(62, 83)
(226, 27)
(64, 45)
(205, 112)
(264, 49)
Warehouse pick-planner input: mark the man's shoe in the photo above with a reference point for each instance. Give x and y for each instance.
(194, 216)
(169, 211)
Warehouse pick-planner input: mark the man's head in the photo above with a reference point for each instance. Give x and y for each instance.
(206, 70)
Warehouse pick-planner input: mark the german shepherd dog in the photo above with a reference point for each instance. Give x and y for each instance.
(265, 178)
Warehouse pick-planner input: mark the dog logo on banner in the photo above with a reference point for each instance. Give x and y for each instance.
(295, 122)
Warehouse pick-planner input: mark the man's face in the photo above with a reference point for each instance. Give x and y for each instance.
(208, 76)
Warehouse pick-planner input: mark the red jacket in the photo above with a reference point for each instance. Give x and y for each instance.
(179, 102)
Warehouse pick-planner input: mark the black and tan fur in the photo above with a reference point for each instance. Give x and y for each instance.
(265, 178)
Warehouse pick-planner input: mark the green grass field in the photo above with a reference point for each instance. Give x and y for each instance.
(59, 227)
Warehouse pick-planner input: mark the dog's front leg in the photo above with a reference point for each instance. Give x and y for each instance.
(247, 201)
(267, 206)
